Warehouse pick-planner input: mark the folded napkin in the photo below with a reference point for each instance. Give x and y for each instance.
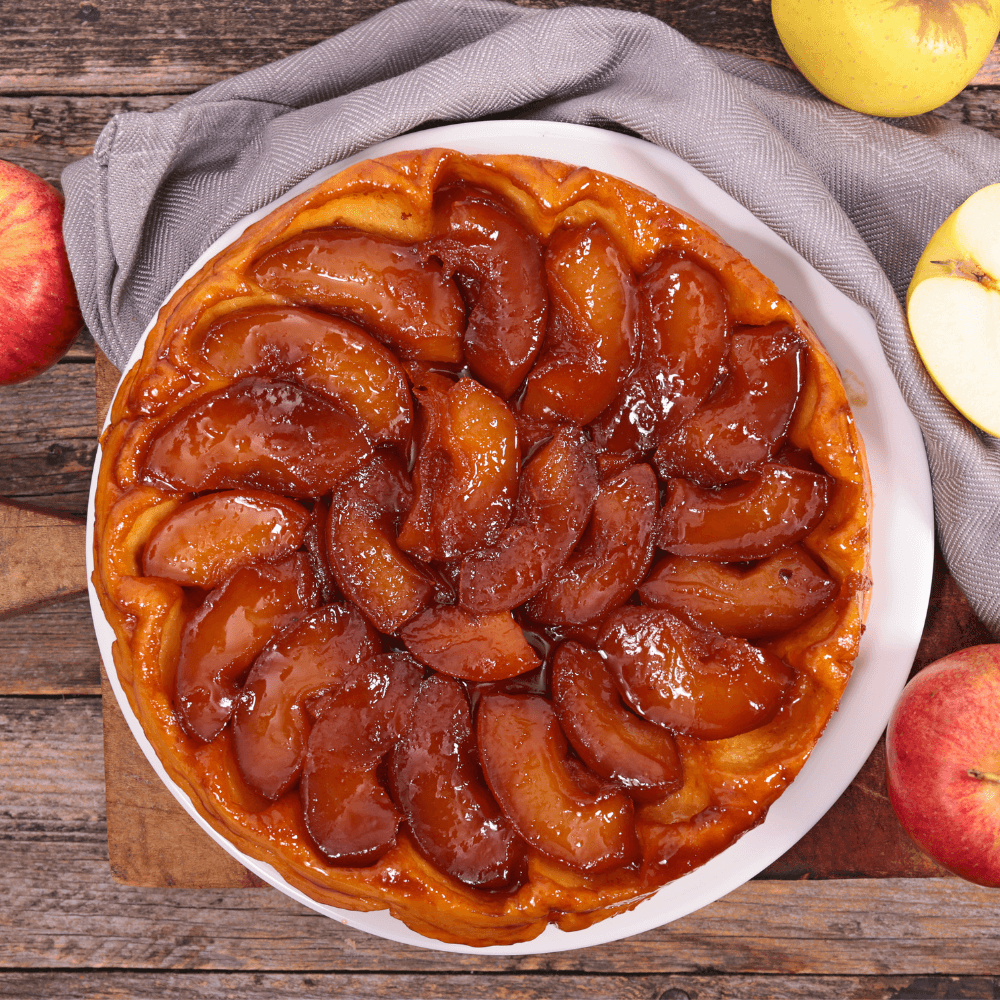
(858, 197)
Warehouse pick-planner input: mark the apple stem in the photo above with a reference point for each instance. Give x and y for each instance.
(983, 775)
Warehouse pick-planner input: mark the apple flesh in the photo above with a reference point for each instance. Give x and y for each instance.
(887, 58)
(943, 762)
(953, 307)
(39, 313)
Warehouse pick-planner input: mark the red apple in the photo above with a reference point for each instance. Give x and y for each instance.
(943, 762)
(39, 313)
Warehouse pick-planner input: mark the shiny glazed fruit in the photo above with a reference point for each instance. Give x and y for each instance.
(744, 423)
(270, 724)
(611, 740)
(269, 435)
(226, 634)
(436, 779)
(406, 302)
(554, 802)
(498, 264)
(593, 330)
(612, 556)
(368, 564)
(685, 341)
(328, 355)
(474, 647)
(744, 521)
(558, 486)
(207, 539)
(347, 809)
(466, 473)
(767, 598)
(692, 681)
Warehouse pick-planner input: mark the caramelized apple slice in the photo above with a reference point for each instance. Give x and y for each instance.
(435, 777)
(593, 333)
(466, 472)
(328, 355)
(318, 552)
(612, 556)
(269, 435)
(347, 810)
(685, 342)
(383, 482)
(688, 312)
(224, 636)
(270, 725)
(473, 647)
(768, 598)
(499, 264)
(744, 424)
(207, 539)
(556, 496)
(372, 571)
(746, 520)
(406, 302)
(370, 567)
(690, 680)
(554, 803)
(610, 739)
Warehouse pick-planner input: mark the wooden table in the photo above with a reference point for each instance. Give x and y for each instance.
(70, 929)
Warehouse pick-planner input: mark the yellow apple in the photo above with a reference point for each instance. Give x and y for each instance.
(953, 305)
(888, 57)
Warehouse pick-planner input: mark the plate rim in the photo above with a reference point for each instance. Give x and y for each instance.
(770, 839)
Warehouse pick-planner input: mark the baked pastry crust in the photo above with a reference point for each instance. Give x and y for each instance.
(728, 784)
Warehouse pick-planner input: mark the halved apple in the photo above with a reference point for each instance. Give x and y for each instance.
(953, 305)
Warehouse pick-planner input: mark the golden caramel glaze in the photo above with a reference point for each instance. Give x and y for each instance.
(560, 843)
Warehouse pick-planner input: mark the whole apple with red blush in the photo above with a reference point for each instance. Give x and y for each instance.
(39, 313)
(943, 762)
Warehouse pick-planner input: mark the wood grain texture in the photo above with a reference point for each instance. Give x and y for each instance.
(42, 558)
(62, 908)
(45, 133)
(50, 651)
(48, 438)
(140, 47)
(511, 986)
(152, 841)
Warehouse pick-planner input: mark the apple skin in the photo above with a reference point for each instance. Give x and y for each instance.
(946, 724)
(888, 57)
(953, 308)
(39, 312)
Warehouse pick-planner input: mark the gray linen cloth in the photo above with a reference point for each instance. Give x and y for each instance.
(858, 197)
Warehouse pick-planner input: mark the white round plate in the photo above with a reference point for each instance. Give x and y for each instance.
(902, 527)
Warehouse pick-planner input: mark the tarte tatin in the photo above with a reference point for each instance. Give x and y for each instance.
(484, 539)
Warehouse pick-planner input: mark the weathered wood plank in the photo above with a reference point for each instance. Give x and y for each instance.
(51, 777)
(62, 908)
(51, 651)
(45, 133)
(142, 47)
(43, 556)
(48, 438)
(151, 840)
(976, 106)
(511, 986)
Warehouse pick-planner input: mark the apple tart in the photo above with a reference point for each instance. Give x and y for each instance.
(484, 540)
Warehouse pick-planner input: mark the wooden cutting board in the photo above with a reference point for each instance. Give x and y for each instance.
(153, 842)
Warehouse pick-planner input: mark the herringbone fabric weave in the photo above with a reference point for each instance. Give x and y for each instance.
(858, 197)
